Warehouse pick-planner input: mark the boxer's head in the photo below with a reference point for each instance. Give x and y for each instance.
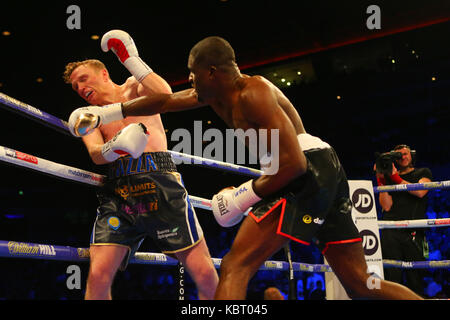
(207, 58)
(90, 79)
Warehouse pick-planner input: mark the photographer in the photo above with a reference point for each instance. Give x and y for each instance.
(403, 244)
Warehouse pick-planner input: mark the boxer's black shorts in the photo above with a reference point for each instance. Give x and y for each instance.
(315, 207)
(145, 197)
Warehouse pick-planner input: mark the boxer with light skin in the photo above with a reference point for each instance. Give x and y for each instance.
(112, 243)
(308, 197)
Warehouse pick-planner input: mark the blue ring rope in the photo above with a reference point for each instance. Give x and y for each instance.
(29, 111)
(15, 249)
(51, 252)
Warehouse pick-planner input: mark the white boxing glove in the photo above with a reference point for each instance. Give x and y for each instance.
(130, 140)
(230, 205)
(83, 121)
(124, 48)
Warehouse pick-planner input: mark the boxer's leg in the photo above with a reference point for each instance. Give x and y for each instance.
(105, 261)
(349, 264)
(253, 245)
(198, 263)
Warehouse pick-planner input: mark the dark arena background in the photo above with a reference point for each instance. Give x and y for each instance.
(362, 90)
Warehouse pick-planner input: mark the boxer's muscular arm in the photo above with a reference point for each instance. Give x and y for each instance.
(94, 143)
(151, 84)
(123, 46)
(161, 103)
(260, 106)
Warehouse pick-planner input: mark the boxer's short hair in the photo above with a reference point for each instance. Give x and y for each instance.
(71, 66)
(214, 51)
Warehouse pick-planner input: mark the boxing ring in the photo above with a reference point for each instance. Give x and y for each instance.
(15, 249)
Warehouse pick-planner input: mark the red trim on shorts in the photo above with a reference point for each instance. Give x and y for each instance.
(285, 234)
(282, 201)
(340, 242)
(291, 237)
(283, 208)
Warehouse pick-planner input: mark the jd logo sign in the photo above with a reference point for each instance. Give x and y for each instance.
(370, 242)
(362, 200)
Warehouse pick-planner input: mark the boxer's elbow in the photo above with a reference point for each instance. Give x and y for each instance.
(271, 183)
(295, 166)
(97, 156)
(279, 174)
(289, 171)
(98, 160)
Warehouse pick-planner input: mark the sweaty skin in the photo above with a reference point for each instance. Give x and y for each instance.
(248, 102)
(85, 79)
(253, 102)
(96, 88)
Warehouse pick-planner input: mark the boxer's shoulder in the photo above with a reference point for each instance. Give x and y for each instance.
(130, 89)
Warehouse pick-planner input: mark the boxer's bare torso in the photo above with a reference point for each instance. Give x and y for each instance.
(96, 88)
(157, 140)
(250, 85)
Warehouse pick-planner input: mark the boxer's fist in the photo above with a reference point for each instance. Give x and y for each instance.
(123, 46)
(120, 43)
(230, 204)
(130, 140)
(226, 212)
(83, 121)
(227, 188)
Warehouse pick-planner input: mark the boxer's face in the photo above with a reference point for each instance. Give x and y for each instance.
(406, 159)
(90, 84)
(200, 80)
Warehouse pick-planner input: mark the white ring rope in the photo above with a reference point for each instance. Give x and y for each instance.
(34, 113)
(70, 173)
(66, 172)
(49, 167)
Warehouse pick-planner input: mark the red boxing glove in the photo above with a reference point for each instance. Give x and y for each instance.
(123, 46)
(396, 178)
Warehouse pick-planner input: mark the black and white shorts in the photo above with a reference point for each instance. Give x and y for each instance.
(315, 207)
(145, 197)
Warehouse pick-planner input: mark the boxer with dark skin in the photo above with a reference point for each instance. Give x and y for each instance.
(252, 102)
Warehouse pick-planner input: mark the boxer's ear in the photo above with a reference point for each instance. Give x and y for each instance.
(105, 75)
(212, 70)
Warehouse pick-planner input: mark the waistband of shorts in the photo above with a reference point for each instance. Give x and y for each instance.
(311, 143)
(148, 162)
